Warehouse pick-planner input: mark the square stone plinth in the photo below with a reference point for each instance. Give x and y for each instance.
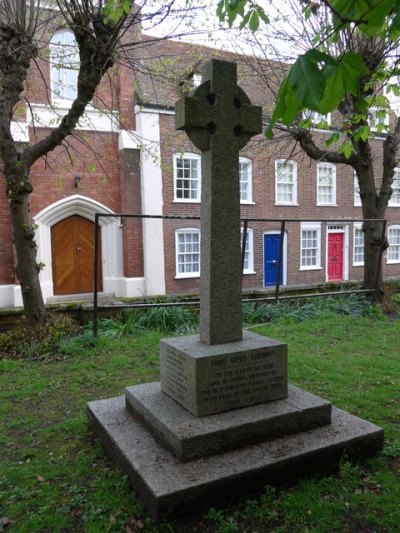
(171, 488)
(189, 437)
(211, 379)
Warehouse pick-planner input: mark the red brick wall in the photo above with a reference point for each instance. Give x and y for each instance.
(132, 204)
(263, 156)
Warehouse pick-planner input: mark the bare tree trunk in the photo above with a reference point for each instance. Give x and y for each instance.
(18, 190)
(372, 268)
(373, 278)
(26, 268)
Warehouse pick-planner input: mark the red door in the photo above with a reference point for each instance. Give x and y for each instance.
(72, 242)
(335, 256)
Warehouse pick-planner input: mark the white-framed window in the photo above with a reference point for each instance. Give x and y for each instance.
(187, 177)
(64, 61)
(310, 246)
(378, 120)
(197, 79)
(317, 118)
(245, 175)
(395, 198)
(358, 244)
(393, 253)
(326, 184)
(357, 197)
(248, 266)
(187, 248)
(285, 182)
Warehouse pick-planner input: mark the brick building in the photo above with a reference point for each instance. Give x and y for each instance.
(127, 157)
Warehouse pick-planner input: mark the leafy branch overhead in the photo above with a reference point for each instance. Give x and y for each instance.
(318, 80)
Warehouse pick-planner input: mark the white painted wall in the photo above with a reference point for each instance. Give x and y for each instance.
(148, 129)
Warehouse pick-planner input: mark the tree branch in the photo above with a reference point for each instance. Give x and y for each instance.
(306, 141)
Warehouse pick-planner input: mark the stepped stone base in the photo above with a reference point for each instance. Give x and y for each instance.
(171, 486)
(189, 437)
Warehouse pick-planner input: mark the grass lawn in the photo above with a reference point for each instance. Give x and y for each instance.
(55, 477)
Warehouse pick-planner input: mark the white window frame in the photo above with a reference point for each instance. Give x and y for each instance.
(249, 251)
(311, 226)
(332, 201)
(357, 227)
(372, 122)
(397, 245)
(283, 163)
(395, 198)
(248, 181)
(357, 197)
(56, 42)
(316, 117)
(191, 157)
(197, 79)
(189, 274)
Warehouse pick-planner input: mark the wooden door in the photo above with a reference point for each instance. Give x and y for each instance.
(335, 256)
(72, 242)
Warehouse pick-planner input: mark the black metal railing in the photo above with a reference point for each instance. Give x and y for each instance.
(277, 296)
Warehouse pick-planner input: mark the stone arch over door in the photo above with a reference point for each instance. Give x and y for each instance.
(86, 208)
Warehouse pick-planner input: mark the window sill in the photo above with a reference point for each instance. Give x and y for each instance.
(393, 205)
(327, 205)
(247, 202)
(358, 264)
(287, 205)
(249, 272)
(187, 276)
(186, 201)
(311, 268)
(393, 261)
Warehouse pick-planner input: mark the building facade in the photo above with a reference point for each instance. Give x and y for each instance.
(127, 157)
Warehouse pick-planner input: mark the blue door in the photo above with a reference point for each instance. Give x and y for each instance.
(271, 258)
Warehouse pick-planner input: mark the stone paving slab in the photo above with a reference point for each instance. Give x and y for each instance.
(170, 488)
(189, 437)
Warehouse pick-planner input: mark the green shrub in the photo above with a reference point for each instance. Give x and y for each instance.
(168, 320)
(319, 307)
(176, 320)
(34, 342)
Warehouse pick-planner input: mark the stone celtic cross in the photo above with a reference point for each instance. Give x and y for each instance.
(219, 120)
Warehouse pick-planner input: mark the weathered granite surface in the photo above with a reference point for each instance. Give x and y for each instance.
(220, 120)
(171, 488)
(188, 437)
(210, 379)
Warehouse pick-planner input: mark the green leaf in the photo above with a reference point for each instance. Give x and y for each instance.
(346, 149)
(362, 133)
(245, 20)
(286, 109)
(321, 57)
(254, 21)
(307, 82)
(334, 90)
(333, 138)
(262, 14)
(353, 67)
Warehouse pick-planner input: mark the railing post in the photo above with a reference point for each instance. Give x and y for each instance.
(96, 271)
(279, 270)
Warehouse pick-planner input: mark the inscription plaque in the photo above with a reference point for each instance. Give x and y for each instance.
(229, 376)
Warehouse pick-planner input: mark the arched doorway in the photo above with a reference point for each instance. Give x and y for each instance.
(72, 250)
